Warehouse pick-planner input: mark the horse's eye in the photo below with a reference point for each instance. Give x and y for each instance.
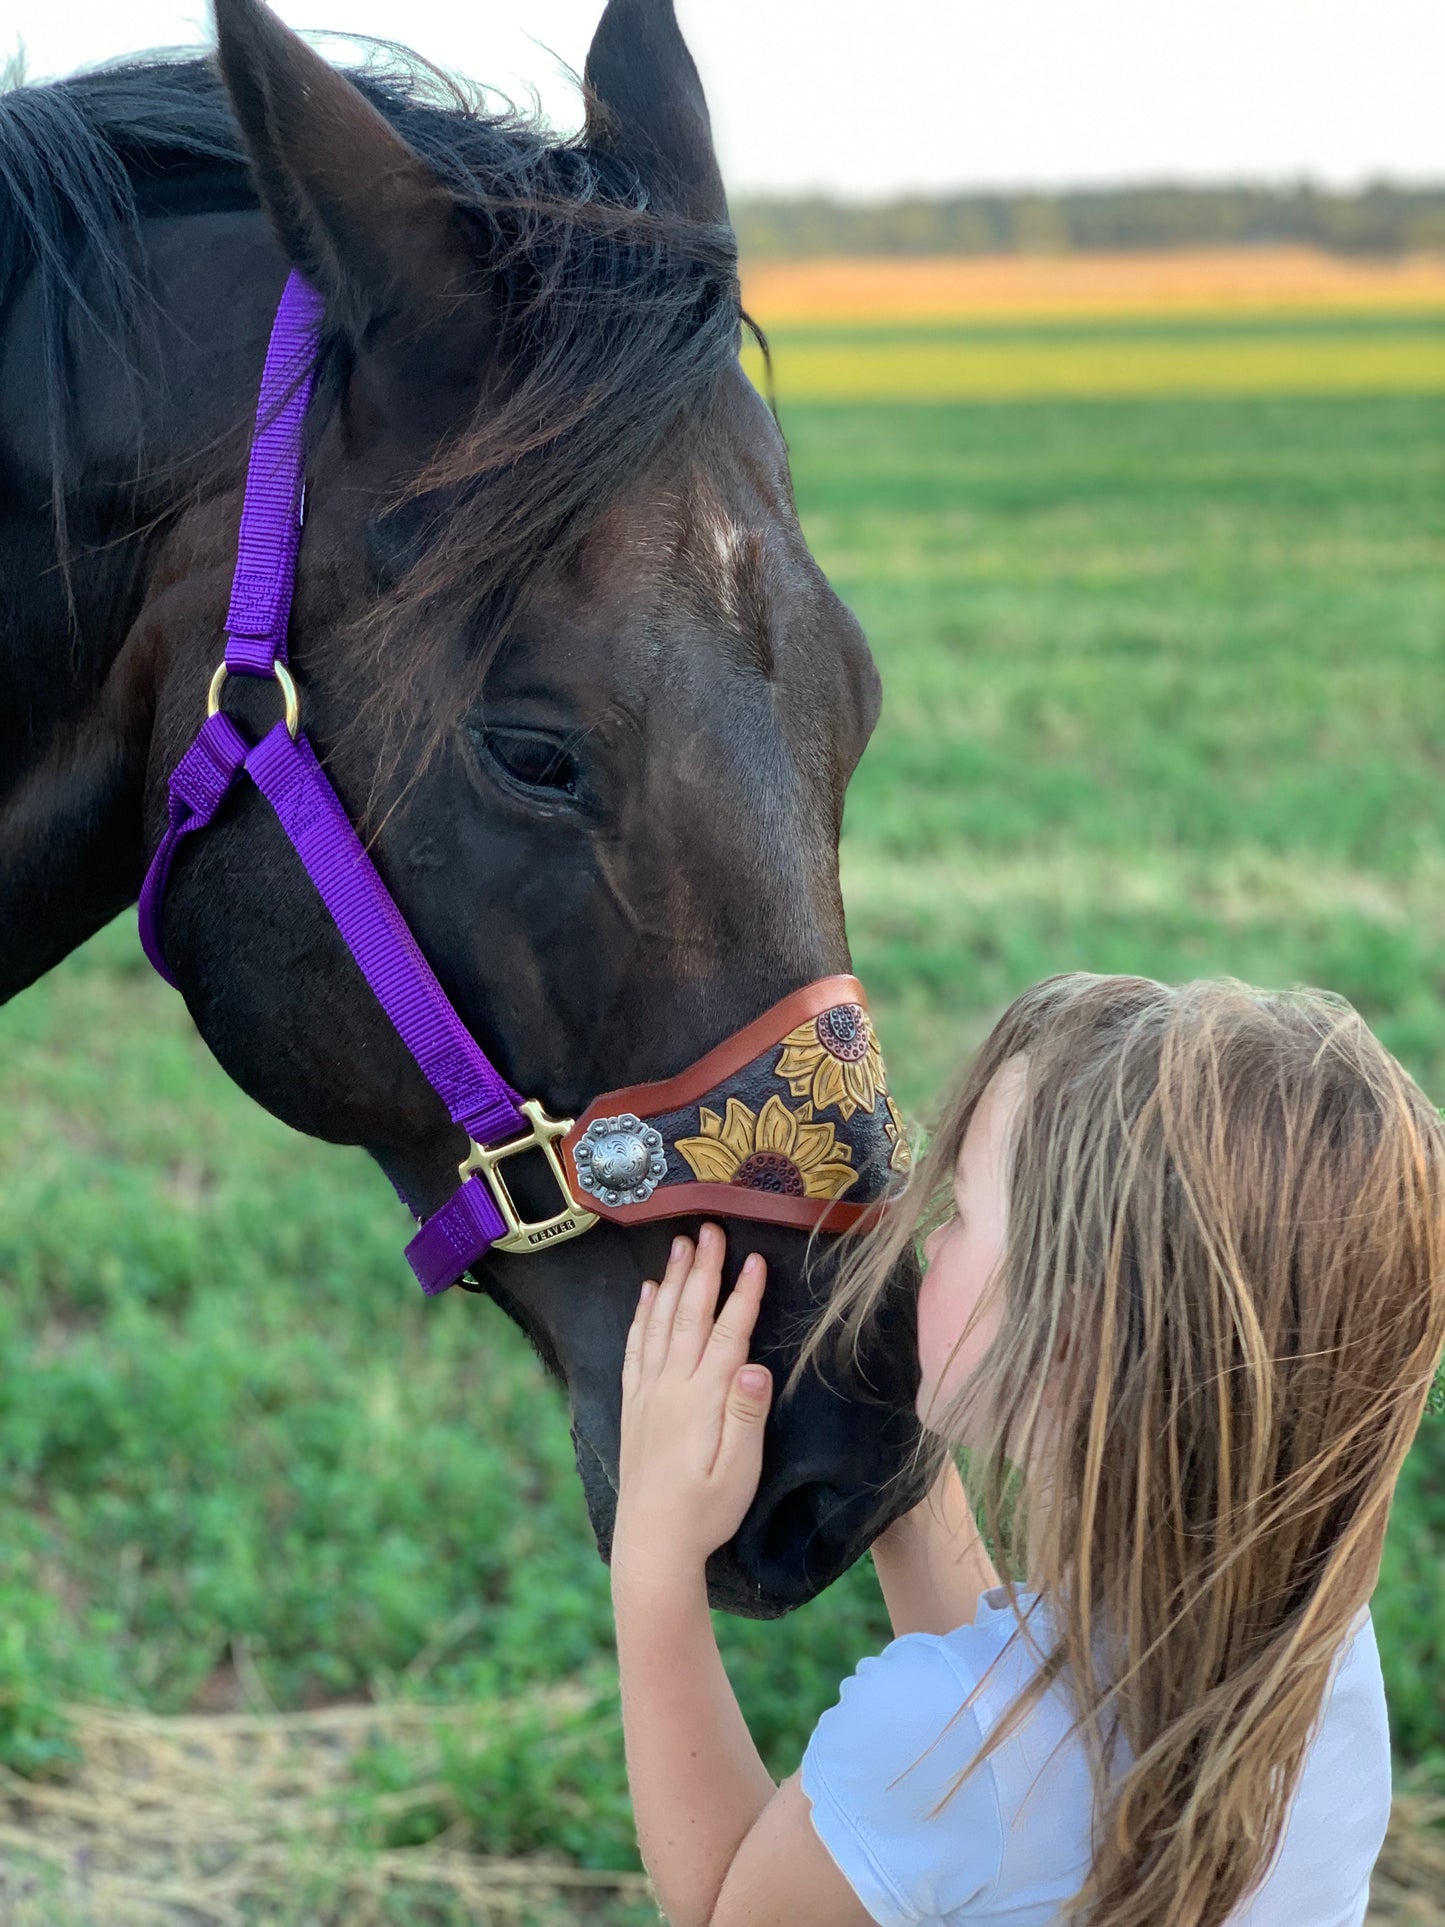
(541, 762)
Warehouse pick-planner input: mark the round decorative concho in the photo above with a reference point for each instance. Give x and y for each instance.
(620, 1160)
(843, 1032)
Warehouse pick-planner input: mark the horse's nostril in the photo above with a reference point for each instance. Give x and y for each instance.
(787, 1532)
(802, 1539)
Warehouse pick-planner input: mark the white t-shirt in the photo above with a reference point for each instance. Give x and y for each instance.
(1012, 1846)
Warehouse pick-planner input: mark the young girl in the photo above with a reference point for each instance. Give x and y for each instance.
(1183, 1300)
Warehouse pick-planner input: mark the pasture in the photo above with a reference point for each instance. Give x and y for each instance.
(1164, 663)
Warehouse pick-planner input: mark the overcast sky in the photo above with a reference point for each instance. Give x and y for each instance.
(862, 98)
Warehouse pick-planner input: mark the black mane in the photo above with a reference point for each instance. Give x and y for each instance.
(612, 316)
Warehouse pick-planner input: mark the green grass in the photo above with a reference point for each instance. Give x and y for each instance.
(1165, 691)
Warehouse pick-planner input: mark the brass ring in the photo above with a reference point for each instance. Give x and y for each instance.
(288, 694)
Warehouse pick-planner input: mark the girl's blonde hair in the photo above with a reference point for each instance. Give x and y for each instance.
(1226, 1259)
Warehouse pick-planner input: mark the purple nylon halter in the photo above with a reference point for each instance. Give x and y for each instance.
(285, 769)
(682, 1158)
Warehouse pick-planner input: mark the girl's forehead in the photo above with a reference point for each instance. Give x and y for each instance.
(986, 1138)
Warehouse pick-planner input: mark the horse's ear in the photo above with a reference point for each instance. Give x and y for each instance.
(645, 104)
(355, 208)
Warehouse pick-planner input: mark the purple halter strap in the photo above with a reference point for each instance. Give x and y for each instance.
(285, 769)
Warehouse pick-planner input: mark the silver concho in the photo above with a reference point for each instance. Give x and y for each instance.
(620, 1160)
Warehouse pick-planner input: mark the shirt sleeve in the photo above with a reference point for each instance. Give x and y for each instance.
(878, 1764)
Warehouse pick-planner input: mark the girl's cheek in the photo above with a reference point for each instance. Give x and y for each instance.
(933, 1345)
(947, 1359)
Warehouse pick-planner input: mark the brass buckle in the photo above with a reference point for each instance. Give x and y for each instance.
(545, 1135)
(288, 695)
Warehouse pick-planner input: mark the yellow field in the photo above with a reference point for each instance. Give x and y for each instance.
(1286, 321)
(1007, 370)
(998, 288)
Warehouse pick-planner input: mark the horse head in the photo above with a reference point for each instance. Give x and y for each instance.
(571, 669)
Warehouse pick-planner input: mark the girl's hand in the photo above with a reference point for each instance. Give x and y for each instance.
(693, 1411)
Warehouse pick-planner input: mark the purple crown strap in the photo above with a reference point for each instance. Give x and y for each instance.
(275, 479)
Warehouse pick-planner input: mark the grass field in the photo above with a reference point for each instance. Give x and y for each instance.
(1165, 691)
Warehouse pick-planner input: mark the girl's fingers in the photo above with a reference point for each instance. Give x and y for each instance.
(739, 1462)
(679, 1262)
(728, 1344)
(658, 1336)
(632, 1351)
(693, 1320)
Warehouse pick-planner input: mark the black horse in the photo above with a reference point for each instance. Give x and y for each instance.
(569, 661)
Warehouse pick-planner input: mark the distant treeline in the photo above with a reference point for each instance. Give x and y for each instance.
(1376, 220)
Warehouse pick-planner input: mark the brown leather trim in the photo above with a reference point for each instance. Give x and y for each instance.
(731, 1201)
(732, 1054)
(694, 1083)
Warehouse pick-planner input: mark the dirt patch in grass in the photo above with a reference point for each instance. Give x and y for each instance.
(1409, 1885)
(225, 1821)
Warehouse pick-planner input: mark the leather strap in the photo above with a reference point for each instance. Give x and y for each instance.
(708, 1075)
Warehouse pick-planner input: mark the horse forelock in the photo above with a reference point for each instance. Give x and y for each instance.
(611, 320)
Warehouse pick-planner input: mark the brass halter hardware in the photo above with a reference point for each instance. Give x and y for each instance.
(545, 1135)
(288, 695)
